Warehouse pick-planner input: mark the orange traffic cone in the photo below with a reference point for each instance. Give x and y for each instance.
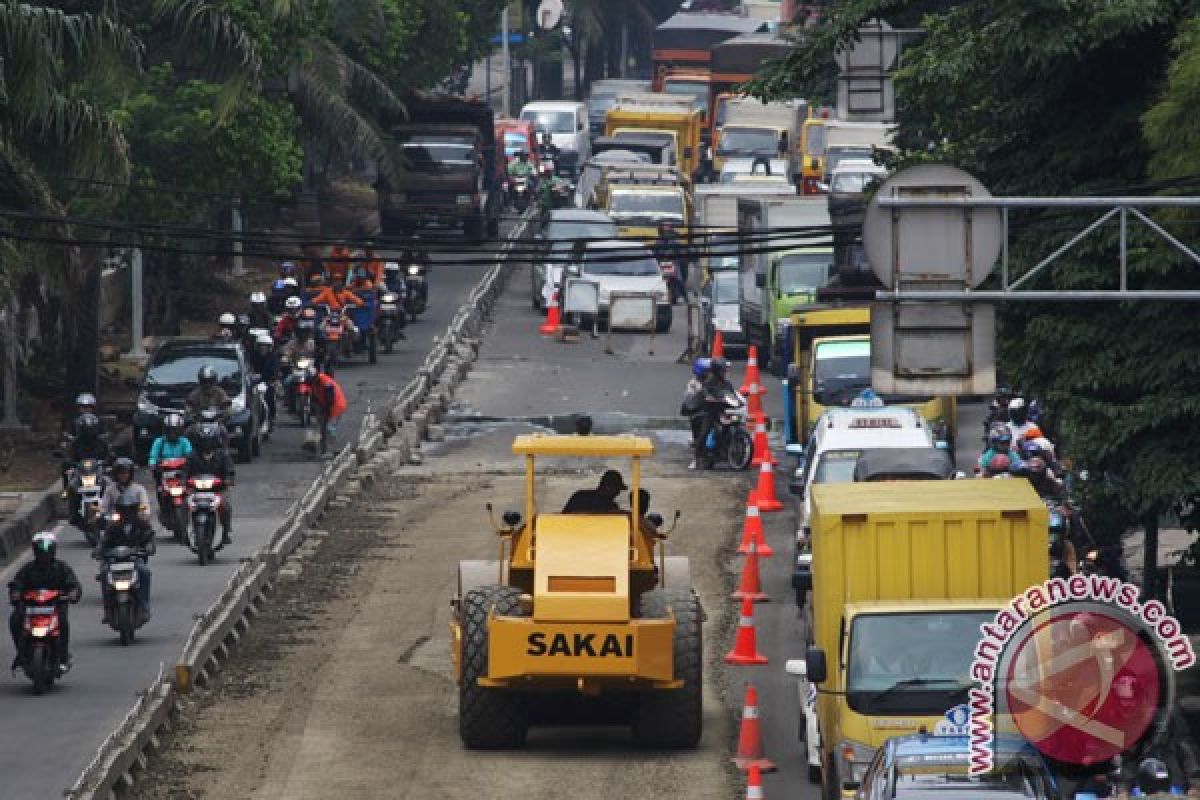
(750, 745)
(765, 493)
(762, 448)
(753, 381)
(553, 318)
(750, 584)
(718, 346)
(745, 645)
(754, 788)
(752, 531)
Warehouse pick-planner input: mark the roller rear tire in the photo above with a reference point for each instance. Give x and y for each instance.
(488, 719)
(673, 718)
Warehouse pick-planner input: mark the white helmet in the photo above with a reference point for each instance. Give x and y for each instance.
(290, 283)
(1016, 404)
(227, 319)
(257, 298)
(264, 338)
(391, 266)
(292, 303)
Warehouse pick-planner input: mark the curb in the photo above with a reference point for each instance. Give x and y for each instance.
(384, 443)
(17, 532)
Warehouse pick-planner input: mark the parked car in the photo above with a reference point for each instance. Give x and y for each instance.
(564, 225)
(170, 377)
(567, 124)
(924, 766)
(721, 312)
(623, 265)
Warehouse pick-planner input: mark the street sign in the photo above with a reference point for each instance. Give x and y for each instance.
(923, 245)
(513, 38)
(942, 347)
(866, 92)
(549, 13)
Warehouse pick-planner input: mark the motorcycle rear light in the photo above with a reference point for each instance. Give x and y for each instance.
(122, 585)
(40, 631)
(175, 491)
(203, 483)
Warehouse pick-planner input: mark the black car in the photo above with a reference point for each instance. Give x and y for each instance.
(171, 376)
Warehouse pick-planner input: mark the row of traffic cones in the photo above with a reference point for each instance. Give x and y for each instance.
(750, 756)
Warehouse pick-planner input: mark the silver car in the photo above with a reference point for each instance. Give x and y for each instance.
(563, 225)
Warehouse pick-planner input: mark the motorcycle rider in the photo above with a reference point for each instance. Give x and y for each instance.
(669, 248)
(393, 278)
(287, 323)
(374, 267)
(338, 265)
(547, 150)
(87, 441)
(45, 571)
(172, 443)
(227, 326)
(210, 458)
(130, 504)
(260, 316)
(1043, 481)
(1175, 763)
(1018, 421)
(520, 167)
(336, 297)
(208, 394)
(693, 398)
(124, 488)
(713, 389)
(999, 443)
(266, 364)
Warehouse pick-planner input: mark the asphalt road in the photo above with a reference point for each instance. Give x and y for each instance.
(45, 742)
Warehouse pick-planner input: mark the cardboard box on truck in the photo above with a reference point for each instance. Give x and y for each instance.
(903, 575)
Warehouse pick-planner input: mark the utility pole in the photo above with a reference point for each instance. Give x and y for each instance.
(238, 269)
(136, 297)
(506, 64)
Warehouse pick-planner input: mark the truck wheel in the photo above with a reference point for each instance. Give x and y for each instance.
(474, 230)
(493, 227)
(487, 718)
(673, 717)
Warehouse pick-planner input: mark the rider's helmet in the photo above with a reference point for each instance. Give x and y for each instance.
(700, 367)
(718, 367)
(207, 376)
(1153, 776)
(1029, 449)
(86, 403)
(227, 320)
(998, 465)
(1000, 438)
(287, 269)
(293, 303)
(87, 427)
(316, 279)
(1017, 411)
(264, 344)
(208, 437)
(45, 547)
(391, 267)
(173, 427)
(257, 299)
(123, 471)
(290, 283)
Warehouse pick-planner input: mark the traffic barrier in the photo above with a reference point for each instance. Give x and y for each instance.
(750, 583)
(745, 645)
(752, 384)
(750, 744)
(762, 446)
(553, 317)
(718, 345)
(765, 492)
(752, 531)
(754, 787)
(217, 630)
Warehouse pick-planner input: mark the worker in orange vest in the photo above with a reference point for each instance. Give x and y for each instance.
(336, 296)
(330, 400)
(338, 265)
(374, 265)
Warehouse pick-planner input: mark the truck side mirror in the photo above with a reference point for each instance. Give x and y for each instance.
(512, 518)
(760, 281)
(815, 667)
(797, 667)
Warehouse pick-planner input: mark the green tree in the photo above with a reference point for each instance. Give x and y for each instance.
(1041, 97)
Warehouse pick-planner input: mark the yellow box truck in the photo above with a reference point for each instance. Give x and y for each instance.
(903, 575)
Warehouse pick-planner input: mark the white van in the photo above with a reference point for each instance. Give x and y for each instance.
(567, 124)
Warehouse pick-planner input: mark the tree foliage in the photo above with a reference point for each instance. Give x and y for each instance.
(1044, 97)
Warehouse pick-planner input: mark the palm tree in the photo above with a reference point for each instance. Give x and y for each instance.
(597, 28)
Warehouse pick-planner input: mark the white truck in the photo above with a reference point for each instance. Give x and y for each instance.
(846, 140)
(788, 271)
(753, 129)
(715, 216)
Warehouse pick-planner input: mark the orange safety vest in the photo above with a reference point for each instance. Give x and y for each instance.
(338, 265)
(339, 397)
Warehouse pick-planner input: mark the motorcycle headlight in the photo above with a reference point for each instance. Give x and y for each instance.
(87, 481)
(145, 406)
(389, 297)
(414, 269)
(122, 585)
(303, 363)
(853, 759)
(39, 631)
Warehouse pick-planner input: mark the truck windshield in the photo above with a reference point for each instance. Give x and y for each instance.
(814, 140)
(836, 466)
(551, 121)
(749, 141)
(650, 206)
(515, 142)
(430, 155)
(696, 89)
(628, 267)
(725, 287)
(841, 370)
(804, 273)
(911, 663)
(853, 182)
(836, 155)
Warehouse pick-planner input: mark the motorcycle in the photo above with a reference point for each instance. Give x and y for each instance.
(119, 581)
(40, 654)
(670, 273)
(518, 189)
(87, 486)
(338, 340)
(417, 299)
(170, 489)
(299, 395)
(204, 502)
(728, 439)
(391, 319)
